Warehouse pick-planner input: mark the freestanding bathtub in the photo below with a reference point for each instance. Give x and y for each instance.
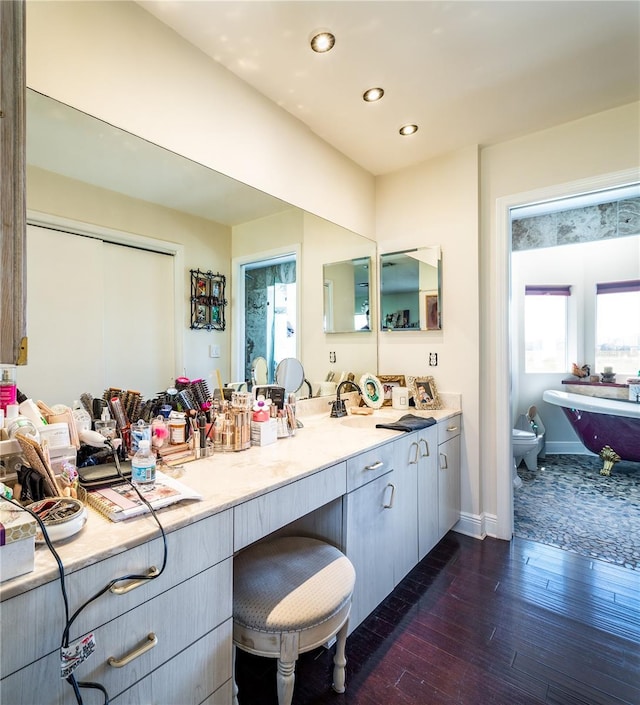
(601, 422)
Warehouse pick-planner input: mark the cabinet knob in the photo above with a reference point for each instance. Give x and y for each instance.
(417, 454)
(374, 466)
(426, 448)
(443, 461)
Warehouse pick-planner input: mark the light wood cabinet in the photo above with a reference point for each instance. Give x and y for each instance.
(188, 609)
(368, 542)
(448, 473)
(423, 452)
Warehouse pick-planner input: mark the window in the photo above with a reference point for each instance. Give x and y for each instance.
(545, 328)
(618, 327)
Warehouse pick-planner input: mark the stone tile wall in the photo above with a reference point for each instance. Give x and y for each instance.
(606, 220)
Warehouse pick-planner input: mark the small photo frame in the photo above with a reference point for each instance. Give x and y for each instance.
(388, 382)
(424, 392)
(372, 392)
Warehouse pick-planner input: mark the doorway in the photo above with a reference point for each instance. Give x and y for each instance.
(503, 350)
(269, 312)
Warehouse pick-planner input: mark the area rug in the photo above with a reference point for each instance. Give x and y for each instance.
(567, 503)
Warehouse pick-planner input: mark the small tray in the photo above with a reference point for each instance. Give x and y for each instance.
(63, 517)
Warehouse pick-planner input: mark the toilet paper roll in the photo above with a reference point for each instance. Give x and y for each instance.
(400, 397)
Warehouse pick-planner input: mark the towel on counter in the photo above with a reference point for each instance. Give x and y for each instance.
(409, 422)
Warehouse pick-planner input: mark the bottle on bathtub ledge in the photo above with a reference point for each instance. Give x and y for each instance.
(634, 388)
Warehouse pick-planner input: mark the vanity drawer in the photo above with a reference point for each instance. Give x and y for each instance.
(178, 617)
(204, 669)
(449, 428)
(265, 514)
(369, 465)
(190, 550)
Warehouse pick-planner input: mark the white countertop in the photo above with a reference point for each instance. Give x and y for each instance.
(224, 480)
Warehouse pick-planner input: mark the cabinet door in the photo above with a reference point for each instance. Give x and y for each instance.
(448, 484)
(368, 523)
(405, 506)
(424, 453)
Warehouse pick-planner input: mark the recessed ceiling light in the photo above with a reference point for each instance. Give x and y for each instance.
(408, 130)
(373, 94)
(322, 41)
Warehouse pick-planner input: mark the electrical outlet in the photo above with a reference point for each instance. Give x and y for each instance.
(332, 357)
(214, 351)
(433, 359)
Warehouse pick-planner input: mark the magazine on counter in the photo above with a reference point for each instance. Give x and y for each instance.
(121, 501)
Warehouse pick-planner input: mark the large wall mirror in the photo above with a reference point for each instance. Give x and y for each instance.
(91, 322)
(411, 289)
(347, 289)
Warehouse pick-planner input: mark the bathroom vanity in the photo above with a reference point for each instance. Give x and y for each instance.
(384, 497)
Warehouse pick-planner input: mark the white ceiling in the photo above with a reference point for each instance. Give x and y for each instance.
(465, 72)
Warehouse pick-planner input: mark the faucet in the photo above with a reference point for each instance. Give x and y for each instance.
(337, 407)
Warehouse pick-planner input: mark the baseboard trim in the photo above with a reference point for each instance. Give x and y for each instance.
(476, 525)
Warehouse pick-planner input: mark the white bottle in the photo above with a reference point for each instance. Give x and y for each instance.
(143, 466)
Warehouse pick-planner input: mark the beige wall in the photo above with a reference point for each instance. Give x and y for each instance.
(436, 203)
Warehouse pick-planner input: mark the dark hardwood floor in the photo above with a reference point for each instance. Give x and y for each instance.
(483, 623)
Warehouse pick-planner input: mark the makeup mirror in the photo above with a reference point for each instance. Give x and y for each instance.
(411, 290)
(290, 374)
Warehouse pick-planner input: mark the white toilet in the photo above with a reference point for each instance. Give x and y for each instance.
(525, 447)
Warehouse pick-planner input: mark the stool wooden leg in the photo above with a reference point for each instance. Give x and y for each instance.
(234, 689)
(285, 679)
(286, 666)
(340, 660)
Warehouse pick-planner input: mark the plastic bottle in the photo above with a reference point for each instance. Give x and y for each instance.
(143, 466)
(8, 389)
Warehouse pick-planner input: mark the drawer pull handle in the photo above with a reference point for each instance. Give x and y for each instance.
(128, 587)
(426, 447)
(444, 465)
(375, 466)
(389, 504)
(451, 429)
(417, 454)
(151, 641)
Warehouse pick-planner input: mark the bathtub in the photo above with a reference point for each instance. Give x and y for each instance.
(601, 422)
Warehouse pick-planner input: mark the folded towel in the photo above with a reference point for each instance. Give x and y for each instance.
(408, 422)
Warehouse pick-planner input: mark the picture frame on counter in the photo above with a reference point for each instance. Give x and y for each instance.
(424, 393)
(388, 382)
(372, 392)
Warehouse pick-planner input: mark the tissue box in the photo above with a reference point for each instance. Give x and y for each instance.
(264, 432)
(17, 542)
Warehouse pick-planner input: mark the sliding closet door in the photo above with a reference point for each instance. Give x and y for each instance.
(98, 315)
(138, 318)
(64, 317)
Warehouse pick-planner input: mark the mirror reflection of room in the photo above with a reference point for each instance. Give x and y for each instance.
(410, 290)
(183, 215)
(346, 296)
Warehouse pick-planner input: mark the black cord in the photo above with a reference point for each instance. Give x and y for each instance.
(71, 679)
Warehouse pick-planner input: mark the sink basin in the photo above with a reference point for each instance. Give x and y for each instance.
(360, 421)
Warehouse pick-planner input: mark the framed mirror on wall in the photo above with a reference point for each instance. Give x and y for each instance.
(411, 289)
(347, 289)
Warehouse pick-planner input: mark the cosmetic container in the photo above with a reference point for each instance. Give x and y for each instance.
(8, 388)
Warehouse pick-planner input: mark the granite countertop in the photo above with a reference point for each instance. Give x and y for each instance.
(224, 480)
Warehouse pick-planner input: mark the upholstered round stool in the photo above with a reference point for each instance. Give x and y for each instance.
(290, 595)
